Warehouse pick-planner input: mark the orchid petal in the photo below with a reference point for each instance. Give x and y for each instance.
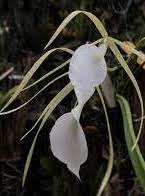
(77, 111)
(103, 49)
(87, 70)
(68, 142)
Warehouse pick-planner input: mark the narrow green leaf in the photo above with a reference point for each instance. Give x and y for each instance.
(135, 156)
(92, 17)
(48, 110)
(6, 73)
(42, 115)
(31, 72)
(24, 104)
(121, 60)
(6, 96)
(111, 153)
(47, 74)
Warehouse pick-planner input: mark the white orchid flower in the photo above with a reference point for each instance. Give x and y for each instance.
(87, 70)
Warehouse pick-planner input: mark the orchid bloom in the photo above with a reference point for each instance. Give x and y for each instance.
(87, 70)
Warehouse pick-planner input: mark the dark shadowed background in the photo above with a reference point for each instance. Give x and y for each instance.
(25, 28)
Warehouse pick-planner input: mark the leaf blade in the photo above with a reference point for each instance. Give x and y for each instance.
(31, 72)
(92, 17)
(111, 152)
(47, 111)
(135, 156)
(121, 60)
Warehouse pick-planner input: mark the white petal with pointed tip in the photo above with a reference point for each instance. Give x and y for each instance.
(87, 70)
(68, 142)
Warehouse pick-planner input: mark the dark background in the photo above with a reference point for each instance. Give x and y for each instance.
(25, 28)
